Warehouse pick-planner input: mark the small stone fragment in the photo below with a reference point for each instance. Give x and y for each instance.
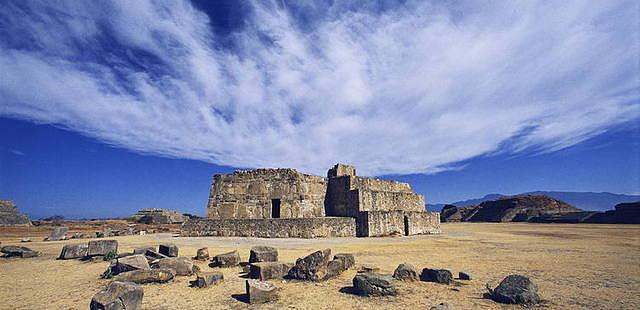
(102, 247)
(202, 254)
(230, 259)
(25, 239)
(436, 275)
(170, 250)
(464, 275)
(263, 254)
(373, 284)
(364, 268)
(516, 289)
(141, 276)
(71, 251)
(261, 292)
(405, 272)
(442, 306)
(208, 279)
(118, 296)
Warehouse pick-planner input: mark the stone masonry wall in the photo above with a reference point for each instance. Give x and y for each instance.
(389, 201)
(419, 223)
(249, 194)
(378, 224)
(271, 228)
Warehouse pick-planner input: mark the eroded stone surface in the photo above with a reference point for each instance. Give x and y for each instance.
(143, 276)
(261, 292)
(170, 250)
(436, 275)
(263, 254)
(313, 267)
(181, 265)
(118, 296)
(129, 263)
(102, 247)
(9, 214)
(208, 279)
(516, 289)
(202, 254)
(405, 272)
(18, 251)
(227, 259)
(373, 284)
(57, 233)
(71, 251)
(268, 270)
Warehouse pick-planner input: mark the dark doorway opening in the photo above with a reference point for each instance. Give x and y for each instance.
(275, 208)
(406, 225)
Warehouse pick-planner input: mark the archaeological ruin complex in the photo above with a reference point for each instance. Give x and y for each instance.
(279, 203)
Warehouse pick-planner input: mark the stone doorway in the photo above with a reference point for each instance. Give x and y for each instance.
(406, 225)
(275, 208)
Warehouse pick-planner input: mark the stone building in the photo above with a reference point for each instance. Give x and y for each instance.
(9, 214)
(287, 203)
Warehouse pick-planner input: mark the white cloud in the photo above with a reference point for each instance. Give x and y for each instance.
(411, 88)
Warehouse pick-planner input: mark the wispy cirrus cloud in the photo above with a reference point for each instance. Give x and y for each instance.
(411, 87)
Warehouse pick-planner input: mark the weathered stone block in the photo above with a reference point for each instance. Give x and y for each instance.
(464, 275)
(129, 263)
(348, 260)
(202, 254)
(118, 296)
(143, 276)
(208, 279)
(57, 233)
(405, 272)
(181, 265)
(230, 259)
(170, 250)
(373, 284)
(261, 292)
(71, 251)
(18, 251)
(268, 270)
(516, 289)
(102, 247)
(263, 254)
(143, 250)
(436, 275)
(313, 267)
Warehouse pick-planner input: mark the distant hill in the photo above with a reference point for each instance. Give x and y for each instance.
(589, 201)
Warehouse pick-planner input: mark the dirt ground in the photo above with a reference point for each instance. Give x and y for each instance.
(575, 267)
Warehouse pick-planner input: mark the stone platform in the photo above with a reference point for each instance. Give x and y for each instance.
(309, 227)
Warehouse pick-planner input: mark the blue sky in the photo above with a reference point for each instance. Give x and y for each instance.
(105, 113)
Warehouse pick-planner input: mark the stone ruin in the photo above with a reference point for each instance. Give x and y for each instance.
(9, 214)
(284, 203)
(158, 216)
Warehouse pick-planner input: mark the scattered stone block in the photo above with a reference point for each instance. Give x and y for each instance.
(263, 254)
(442, 306)
(143, 276)
(181, 265)
(208, 279)
(261, 292)
(118, 295)
(202, 254)
(405, 272)
(348, 260)
(436, 275)
(365, 268)
(102, 247)
(153, 255)
(334, 268)
(170, 250)
(129, 263)
(268, 270)
(373, 284)
(18, 251)
(143, 250)
(71, 251)
(25, 239)
(57, 233)
(313, 267)
(516, 289)
(464, 276)
(227, 259)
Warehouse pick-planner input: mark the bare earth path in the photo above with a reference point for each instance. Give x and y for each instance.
(575, 266)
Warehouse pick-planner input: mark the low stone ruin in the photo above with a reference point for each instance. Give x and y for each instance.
(9, 214)
(158, 216)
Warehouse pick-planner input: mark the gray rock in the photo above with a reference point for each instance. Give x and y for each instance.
(18, 251)
(118, 296)
(230, 259)
(153, 255)
(313, 267)
(516, 289)
(170, 250)
(129, 263)
(71, 251)
(436, 275)
(373, 284)
(263, 254)
(464, 275)
(181, 265)
(208, 279)
(261, 292)
(442, 306)
(102, 247)
(405, 272)
(348, 260)
(202, 254)
(268, 270)
(143, 276)
(336, 267)
(364, 268)
(143, 250)
(57, 233)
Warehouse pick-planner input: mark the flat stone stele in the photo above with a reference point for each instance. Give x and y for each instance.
(142, 276)
(118, 296)
(71, 251)
(170, 250)
(102, 247)
(261, 292)
(263, 254)
(268, 270)
(230, 259)
(208, 279)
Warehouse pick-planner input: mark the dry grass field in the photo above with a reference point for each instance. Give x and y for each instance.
(575, 266)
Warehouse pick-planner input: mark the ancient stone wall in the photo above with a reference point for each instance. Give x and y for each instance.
(389, 201)
(272, 228)
(159, 216)
(254, 194)
(378, 224)
(419, 223)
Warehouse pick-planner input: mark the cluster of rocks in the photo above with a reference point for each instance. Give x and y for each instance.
(9, 214)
